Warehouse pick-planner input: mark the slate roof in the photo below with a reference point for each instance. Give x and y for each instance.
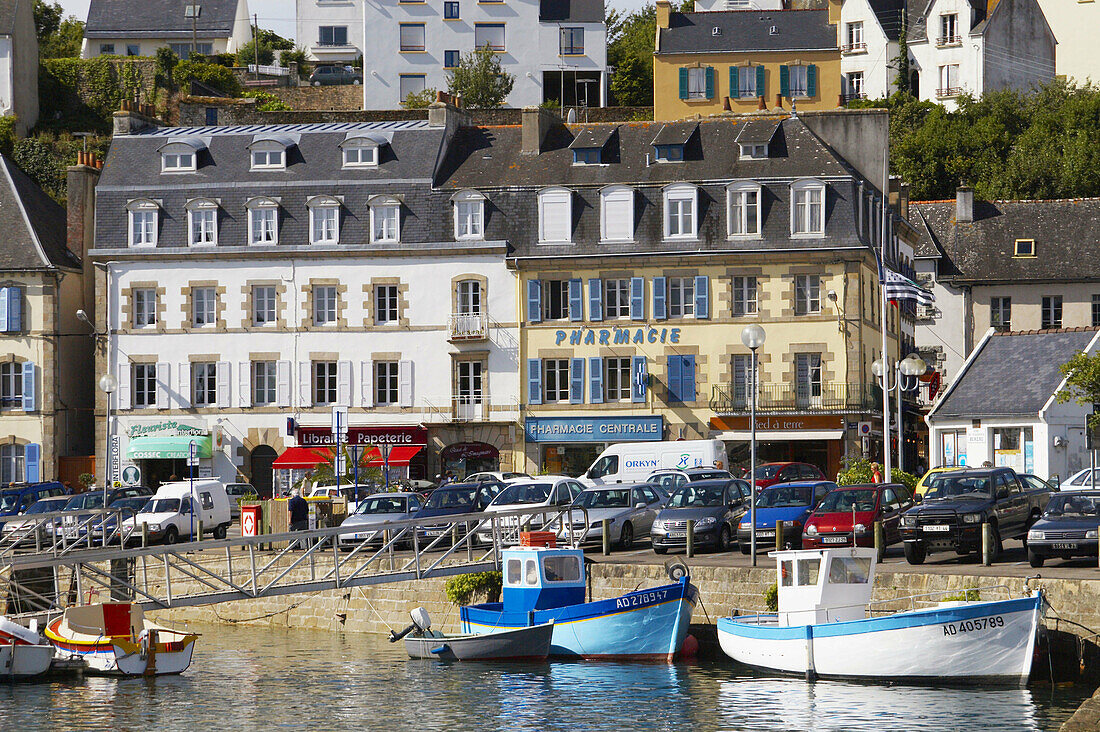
(596, 136)
(157, 19)
(984, 250)
(34, 225)
(571, 11)
(890, 15)
(748, 30)
(993, 384)
(7, 15)
(757, 131)
(918, 19)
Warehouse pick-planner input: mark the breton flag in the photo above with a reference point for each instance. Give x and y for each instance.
(899, 287)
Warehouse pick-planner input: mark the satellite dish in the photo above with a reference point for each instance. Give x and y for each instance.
(571, 117)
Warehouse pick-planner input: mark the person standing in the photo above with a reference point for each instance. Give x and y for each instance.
(876, 473)
(299, 511)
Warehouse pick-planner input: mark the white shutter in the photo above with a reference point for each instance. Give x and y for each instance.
(184, 379)
(282, 383)
(366, 384)
(618, 214)
(555, 216)
(244, 384)
(123, 387)
(343, 383)
(305, 384)
(222, 380)
(164, 385)
(405, 383)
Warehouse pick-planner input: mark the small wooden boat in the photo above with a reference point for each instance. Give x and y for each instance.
(23, 654)
(523, 644)
(115, 639)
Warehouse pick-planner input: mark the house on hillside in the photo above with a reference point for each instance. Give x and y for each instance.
(140, 27)
(18, 64)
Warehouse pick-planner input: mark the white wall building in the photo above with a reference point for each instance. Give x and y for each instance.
(869, 32)
(140, 27)
(18, 65)
(1074, 25)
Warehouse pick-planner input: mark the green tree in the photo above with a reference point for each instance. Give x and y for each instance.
(274, 40)
(630, 51)
(212, 75)
(419, 100)
(480, 80)
(325, 472)
(58, 36)
(1082, 373)
(299, 56)
(256, 49)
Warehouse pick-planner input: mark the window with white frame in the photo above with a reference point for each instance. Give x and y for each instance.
(746, 82)
(324, 304)
(204, 306)
(808, 209)
(11, 384)
(470, 382)
(268, 155)
(469, 215)
(555, 215)
(697, 83)
(177, 158)
(855, 37)
(949, 29)
(204, 384)
(808, 375)
(555, 380)
(681, 297)
(202, 223)
(1052, 311)
(385, 304)
(949, 81)
(324, 383)
(143, 223)
(263, 221)
(360, 153)
(12, 463)
(744, 296)
(744, 209)
(799, 79)
(469, 297)
(324, 220)
(680, 205)
(742, 378)
(385, 220)
(807, 294)
(753, 151)
(385, 383)
(144, 391)
(616, 299)
(263, 305)
(617, 379)
(617, 215)
(264, 379)
(855, 85)
(145, 306)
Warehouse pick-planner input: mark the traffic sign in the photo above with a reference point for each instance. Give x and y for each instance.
(864, 428)
(340, 421)
(193, 453)
(248, 524)
(341, 464)
(131, 475)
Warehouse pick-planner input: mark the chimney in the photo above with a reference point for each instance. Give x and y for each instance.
(536, 124)
(778, 101)
(445, 112)
(80, 183)
(964, 205)
(133, 118)
(763, 105)
(664, 10)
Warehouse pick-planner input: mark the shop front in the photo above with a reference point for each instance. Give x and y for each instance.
(160, 451)
(398, 450)
(818, 439)
(569, 445)
(465, 458)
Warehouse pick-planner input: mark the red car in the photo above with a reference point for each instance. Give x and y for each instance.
(772, 473)
(831, 522)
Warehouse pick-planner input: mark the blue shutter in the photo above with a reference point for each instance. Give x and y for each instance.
(4, 309)
(687, 379)
(28, 387)
(637, 298)
(595, 299)
(659, 290)
(811, 81)
(576, 300)
(595, 380)
(734, 86)
(638, 374)
(785, 81)
(534, 301)
(674, 379)
(32, 456)
(683, 83)
(534, 381)
(760, 81)
(576, 380)
(15, 309)
(710, 82)
(702, 297)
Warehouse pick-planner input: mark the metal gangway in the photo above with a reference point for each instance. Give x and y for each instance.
(48, 576)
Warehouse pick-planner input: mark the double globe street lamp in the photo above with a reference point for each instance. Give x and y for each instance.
(753, 336)
(907, 373)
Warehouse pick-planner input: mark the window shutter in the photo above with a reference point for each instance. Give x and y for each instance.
(305, 384)
(576, 381)
(618, 215)
(595, 380)
(638, 373)
(785, 81)
(760, 81)
(366, 383)
(534, 301)
(163, 384)
(124, 380)
(555, 216)
(595, 299)
(343, 383)
(802, 376)
(282, 383)
(687, 379)
(244, 384)
(221, 378)
(4, 309)
(28, 387)
(659, 290)
(740, 378)
(702, 297)
(811, 81)
(710, 82)
(674, 371)
(32, 456)
(183, 381)
(683, 83)
(534, 381)
(735, 87)
(405, 383)
(576, 300)
(15, 309)
(637, 298)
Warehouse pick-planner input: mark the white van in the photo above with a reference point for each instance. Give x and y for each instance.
(632, 462)
(177, 508)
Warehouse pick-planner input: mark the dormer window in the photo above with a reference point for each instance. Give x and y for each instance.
(202, 222)
(143, 215)
(587, 156)
(617, 216)
(385, 220)
(324, 220)
(589, 143)
(180, 155)
(469, 215)
(669, 153)
(681, 205)
(263, 221)
(808, 208)
(754, 152)
(269, 152)
(555, 216)
(269, 158)
(743, 202)
(361, 151)
(1025, 248)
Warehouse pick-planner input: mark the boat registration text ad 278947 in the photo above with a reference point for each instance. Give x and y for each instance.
(970, 626)
(645, 598)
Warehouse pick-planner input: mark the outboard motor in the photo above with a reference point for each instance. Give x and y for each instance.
(421, 623)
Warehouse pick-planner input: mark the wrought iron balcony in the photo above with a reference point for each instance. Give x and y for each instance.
(850, 48)
(468, 327)
(789, 398)
(468, 408)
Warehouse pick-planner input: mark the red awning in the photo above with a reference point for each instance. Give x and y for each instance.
(302, 457)
(400, 455)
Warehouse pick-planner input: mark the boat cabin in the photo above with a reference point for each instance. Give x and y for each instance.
(824, 585)
(540, 578)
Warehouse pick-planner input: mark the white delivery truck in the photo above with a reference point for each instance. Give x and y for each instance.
(176, 510)
(632, 462)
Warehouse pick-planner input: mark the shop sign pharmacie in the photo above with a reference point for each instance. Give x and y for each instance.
(616, 336)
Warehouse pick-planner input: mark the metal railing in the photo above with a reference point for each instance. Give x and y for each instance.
(854, 48)
(468, 408)
(951, 91)
(468, 327)
(268, 70)
(955, 40)
(61, 532)
(781, 398)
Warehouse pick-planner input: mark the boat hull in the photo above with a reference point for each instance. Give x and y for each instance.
(645, 625)
(970, 643)
(161, 653)
(24, 661)
(509, 645)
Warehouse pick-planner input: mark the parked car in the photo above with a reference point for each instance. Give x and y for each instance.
(1081, 479)
(455, 499)
(334, 75)
(1037, 483)
(75, 528)
(1067, 528)
(852, 510)
(772, 473)
(374, 511)
(716, 506)
(178, 508)
(548, 493)
(127, 508)
(670, 479)
(922, 484)
(17, 498)
(956, 504)
(631, 508)
(497, 476)
(27, 521)
(237, 491)
(791, 503)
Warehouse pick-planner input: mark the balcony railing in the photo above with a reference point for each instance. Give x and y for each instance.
(782, 398)
(849, 96)
(468, 327)
(951, 91)
(948, 41)
(848, 48)
(468, 408)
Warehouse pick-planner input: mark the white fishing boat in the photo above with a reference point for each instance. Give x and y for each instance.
(23, 653)
(824, 628)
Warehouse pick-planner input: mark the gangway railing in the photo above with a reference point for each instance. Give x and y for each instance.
(61, 532)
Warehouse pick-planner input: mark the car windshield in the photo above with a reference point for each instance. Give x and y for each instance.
(382, 504)
(453, 498)
(950, 486)
(785, 497)
(848, 501)
(698, 496)
(161, 505)
(9, 501)
(667, 481)
(47, 505)
(1070, 505)
(531, 493)
(765, 472)
(129, 504)
(610, 498)
(87, 500)
(1084, 478)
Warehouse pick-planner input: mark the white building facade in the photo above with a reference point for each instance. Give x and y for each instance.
(139, 28)
(869, 32)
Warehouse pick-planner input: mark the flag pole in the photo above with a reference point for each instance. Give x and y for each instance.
(885, 383)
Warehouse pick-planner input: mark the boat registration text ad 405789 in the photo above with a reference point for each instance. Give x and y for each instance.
(971, 626)
(641, 599)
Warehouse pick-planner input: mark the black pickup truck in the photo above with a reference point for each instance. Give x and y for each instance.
(958, 502)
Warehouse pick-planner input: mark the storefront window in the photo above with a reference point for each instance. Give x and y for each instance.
(568, 459)
(1013, 448)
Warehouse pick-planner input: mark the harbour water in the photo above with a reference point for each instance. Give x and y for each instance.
(247, 678)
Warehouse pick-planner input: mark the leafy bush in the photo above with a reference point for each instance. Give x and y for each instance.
(463, 587)
(78, 93)
(252, 50)
(45, 157)
(86, 479)
(968, 595)
(480, 80)
(859, 472)
(268, 102)
(297, 55)
(419, 100)
(212, 75)
(771, 598)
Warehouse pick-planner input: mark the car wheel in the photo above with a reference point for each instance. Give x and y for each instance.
(626, 536)
(356, 82)
(1035, 560)
(997, 548)
(745, 549)
(723, 544)
(660, 549)
(171, 535)
(219, 532)
(317, 83)
(914, 553)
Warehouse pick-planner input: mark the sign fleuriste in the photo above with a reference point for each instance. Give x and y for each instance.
(167, 428)
(323, 437)
(594, 429)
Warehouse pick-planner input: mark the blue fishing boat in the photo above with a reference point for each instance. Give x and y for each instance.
(544, 584)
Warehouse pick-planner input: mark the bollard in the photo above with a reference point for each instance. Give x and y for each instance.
(779, 536)
(454, 535)
(987, 540)
(880, 540)
(606, 527)
(199, 537)
(144, 534)
(691, 538)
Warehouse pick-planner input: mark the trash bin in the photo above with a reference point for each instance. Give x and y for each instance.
(251, 516)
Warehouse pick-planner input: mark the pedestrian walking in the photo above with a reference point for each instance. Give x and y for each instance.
(876, 473)
(299, 513)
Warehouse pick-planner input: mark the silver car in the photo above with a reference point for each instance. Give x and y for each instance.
(549, 493)
(372, 514)
(630, 507)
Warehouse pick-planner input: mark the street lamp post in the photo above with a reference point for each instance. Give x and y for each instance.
(108, 384)
(906, 373)
(753, 336)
